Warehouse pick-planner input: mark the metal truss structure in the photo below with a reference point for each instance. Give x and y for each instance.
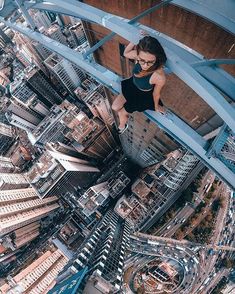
(205, 77)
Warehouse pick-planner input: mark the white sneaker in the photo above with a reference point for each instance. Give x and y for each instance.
(122, 130)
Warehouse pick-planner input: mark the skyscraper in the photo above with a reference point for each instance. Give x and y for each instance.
(181, 171)
(55, 32)
(57, 174)
(40, 18)
(18, 209)
(94, 96)
(144, 142)
(7, 138)
(68, 73)
(13, 181)
(21, 92)
(6, 165)
(30, 52)
(37, 81)
(104, 253)
(39, 276)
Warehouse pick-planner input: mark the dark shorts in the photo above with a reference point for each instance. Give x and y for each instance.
(137, 100)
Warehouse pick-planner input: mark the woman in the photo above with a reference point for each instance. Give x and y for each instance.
(142, 91)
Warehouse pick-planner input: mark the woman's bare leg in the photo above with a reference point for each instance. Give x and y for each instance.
(122, 113)
(118, 102)
(123, 117)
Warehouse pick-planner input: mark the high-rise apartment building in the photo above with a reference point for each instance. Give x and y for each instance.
(66, 123)
(55, 32)
(30, 52)
(41, 19)
(7, 138)
(104, 253)
(6, 165)
(68, 73)
(181, 171)
(75, 35)
(144, 142)
(18, 209)
(13, 181)
(22, 93)
(94, 96)
(57, 174)
(39, 276)
(37, 81)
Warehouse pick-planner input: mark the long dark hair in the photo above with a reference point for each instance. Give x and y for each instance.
(152, 46)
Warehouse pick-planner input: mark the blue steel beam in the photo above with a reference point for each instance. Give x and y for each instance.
(47, 6)
(26, 15)
(219, 12)
(184, 71)
(108, 20)
(213, 62)
(103, 75)
(133, 20)
(218, 77)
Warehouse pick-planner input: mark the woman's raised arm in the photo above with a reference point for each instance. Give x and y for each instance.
(130, 51)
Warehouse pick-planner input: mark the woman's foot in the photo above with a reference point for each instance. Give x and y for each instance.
(122, 130)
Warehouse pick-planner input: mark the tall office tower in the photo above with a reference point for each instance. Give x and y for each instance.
(4, 39)
(40, 18)
(90, 136)
(104, 253)
(66, 123)
(56, 174)
(179, 99)
(13, 181)
(37, 81)
(68, 73)
(181, 171)
(144, 142)
(19, 122)
(25, 113)
(54, 32)
(6, 165)
(39, 276)
(69, 150)
(75, 35)
(52, 128)
(22, 93)
(20, 211)
(30, 52)
(95, 98)
(7, 138)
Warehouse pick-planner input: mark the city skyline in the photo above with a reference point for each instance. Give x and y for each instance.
(86, 210)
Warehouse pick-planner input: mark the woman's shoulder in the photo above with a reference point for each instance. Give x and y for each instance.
(158, 77)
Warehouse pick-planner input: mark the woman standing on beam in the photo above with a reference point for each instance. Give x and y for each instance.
(142, 90)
